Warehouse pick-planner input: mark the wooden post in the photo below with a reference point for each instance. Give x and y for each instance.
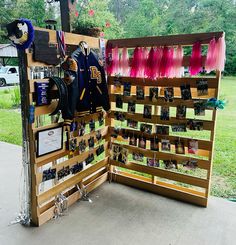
(65, 15)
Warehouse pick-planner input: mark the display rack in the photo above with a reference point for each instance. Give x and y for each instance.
(43, 194)
(189, 186)
(169, 183)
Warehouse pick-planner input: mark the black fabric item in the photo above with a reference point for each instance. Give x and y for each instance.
(43, 52)
(62, 92)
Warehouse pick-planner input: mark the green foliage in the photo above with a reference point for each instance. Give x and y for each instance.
(99, 19)
(15, 97)
(10, 98)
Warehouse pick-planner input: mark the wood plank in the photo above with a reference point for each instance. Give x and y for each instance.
(169, 40)
(72, 38)
(164, 82)
(55, 190)
(162, 190)
(207, 125)
(160, 101)
(204, 164)
(162, 173)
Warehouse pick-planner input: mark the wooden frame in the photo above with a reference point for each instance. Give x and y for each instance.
(163, 181)
(157, 180)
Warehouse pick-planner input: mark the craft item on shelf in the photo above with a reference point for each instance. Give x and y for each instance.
(142, 142)
(162, 130)
(179, 147)
(127, 89)
(186, 92)
(132, 123)
(199, 107)
(119, 101)
(100, 150)
(147, 111)
(153, 94)
(190, 164)
(165, 145)
(42, 93)
(165, 113)
(82, 146)
(192, 146)
(124, 63)
(98, 135)
(195, 124)
(61, 43)
(92, 125)
(131, 107)
(181, 111)
(120, 116)
(169, 94)
(152, 162)
(139, 93)
(89, 159)
(65, 171)
(72, 144)
(100, 119)
(169, 164)
(49, 174)
(195, 64)
(133, 140)
(119, 153)
(81, 128)
(202, 87)
(146, 128)
(21, 33)
(136, 62)
(154, 144)
(178, 128)
(137, 156)
(214, 103)
(91, 142)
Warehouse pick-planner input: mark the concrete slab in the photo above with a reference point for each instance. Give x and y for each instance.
(118, 215)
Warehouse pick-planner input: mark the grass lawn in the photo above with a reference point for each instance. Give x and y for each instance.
(224, 168)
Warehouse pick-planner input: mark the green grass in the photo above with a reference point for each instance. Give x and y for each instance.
(224, 168)
(10, 98)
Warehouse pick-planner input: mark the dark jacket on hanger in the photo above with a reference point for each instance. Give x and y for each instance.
(86, 82)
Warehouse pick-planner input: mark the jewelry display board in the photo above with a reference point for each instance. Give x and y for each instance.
(164, 170)
(61, 171)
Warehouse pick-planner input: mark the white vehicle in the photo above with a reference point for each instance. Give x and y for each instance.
(9, 75)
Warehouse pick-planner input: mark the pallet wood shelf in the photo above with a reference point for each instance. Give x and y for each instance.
(174, 184)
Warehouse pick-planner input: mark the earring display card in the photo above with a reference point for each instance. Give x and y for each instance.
(199, 108)
(153, 94)
(179, 128)
(138, 156)
(119, 154)
(154, 144)
(165, 113)
(195, 125)
(190, 164)
(127, 89)
(152, 162)
(120, 116)
(139, 93)
(169, 94)
(146, 128)
(132, 123)
(147, 111)
(119, 102)
(165, 145)
(133, 140)
(179, 147)
(131, 107)
(142, 142)
(192, 147)
(181, 112)
(186, 92)
(202, 87)
(170, 164)
(163, 130)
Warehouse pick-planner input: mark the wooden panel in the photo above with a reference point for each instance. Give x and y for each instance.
(70, 182)
(170, 40)
(195, 181)
(162, 190)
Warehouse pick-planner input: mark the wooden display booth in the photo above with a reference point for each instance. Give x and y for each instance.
(193, 186)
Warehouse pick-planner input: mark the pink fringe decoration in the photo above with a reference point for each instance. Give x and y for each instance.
(164, 62)
(109, 59)
(170, 72)
(149, 67)
(136, 62)
(178, 69)
(211, 56)
(220, 58)
(124, 62)
(144, 56)
(115, 55)
(196, 59)
(158, 56)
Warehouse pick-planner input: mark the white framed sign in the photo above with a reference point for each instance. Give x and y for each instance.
(49, 140)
